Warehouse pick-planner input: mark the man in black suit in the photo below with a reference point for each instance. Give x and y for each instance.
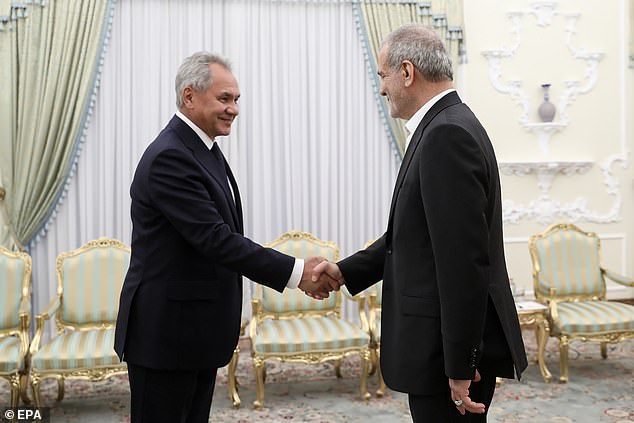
(180, 307)
(449, 324)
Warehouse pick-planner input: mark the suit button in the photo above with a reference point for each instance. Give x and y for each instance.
(389, 251)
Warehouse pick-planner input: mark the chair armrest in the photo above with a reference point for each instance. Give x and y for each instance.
(256, 310)
(40, 320)
(25, 323)
(361, 301)
(615, 277)
(25, 306)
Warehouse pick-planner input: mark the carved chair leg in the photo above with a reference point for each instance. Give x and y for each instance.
(258, 364)
(35, 389)
(232, 381)
(338, 368)
(381, 391)
(563, 359)
(14, 380)
(24, 384)
(365, 356)
(60, 388)
(374, 360)
(604, 349)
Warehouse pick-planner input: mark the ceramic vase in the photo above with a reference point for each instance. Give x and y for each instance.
(546, 110)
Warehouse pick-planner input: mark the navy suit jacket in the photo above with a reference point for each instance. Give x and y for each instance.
(180, 305)
(447, 306)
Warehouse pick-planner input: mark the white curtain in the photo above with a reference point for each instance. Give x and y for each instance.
(308, 149)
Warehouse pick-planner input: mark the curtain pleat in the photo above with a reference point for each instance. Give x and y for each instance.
(54, 54)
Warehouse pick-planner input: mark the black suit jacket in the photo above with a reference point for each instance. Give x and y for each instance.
(447, 304)
(180, 305)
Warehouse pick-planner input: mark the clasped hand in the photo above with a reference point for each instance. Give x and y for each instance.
(320, 278)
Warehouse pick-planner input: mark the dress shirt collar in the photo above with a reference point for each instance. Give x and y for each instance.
(415, 120)
(204, 137)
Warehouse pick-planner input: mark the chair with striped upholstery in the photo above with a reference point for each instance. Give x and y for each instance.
(567, 275)
(89, 281)
(294, 327)
(15, 312)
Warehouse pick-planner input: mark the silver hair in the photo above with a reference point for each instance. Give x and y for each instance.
(195, 72)
(422, 46)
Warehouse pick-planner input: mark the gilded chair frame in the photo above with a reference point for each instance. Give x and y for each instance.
(312, 357)
(55, 308)
(374, 316)
(18, 378)
(553, 299)
(371, 323)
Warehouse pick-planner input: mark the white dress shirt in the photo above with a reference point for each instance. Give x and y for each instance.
(415, 120)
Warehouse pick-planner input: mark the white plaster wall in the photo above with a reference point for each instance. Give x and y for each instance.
(596, 130)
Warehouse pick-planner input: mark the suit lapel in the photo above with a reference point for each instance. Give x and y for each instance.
(447, 101)
(205, 157)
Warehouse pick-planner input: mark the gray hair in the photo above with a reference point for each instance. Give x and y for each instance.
(422, 46)
(195, 72)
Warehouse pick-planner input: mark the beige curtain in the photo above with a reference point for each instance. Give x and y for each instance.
(50, 55)
(379, 18)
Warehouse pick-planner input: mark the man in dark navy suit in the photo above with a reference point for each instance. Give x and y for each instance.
(449, 324)
(180, 307)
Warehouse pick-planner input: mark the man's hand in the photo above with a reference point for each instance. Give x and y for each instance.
(331, 270)
(460, 392)
(317, 287)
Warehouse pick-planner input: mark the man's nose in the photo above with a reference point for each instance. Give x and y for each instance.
(233, 109)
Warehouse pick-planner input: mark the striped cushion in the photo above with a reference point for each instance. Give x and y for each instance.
(10, 359)
(294, 300)
(77, 350)
(569, 262)
(11, 276)
(91, 282)
(595, 316)
(310, 334)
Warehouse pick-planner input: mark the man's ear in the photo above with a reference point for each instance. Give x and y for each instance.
(407, 70)
(187, 96)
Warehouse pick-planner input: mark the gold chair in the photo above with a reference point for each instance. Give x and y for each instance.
(15, 311)
(374, 301)
(374, 323)
(294, 327)
(89, 281)
(232, 381)
(567, 275)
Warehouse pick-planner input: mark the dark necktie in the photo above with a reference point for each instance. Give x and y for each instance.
(227, 177)
(220, 162)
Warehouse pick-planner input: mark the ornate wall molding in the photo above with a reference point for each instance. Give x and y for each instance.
(545, 209)
(544, 13)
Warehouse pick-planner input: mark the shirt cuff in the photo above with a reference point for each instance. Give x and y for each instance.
(296, 274)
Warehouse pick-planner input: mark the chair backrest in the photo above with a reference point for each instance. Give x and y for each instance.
(15, 279)
(294, 301)
(566, 258)
(89, 282)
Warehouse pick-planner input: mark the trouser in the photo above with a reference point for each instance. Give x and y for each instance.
(441, 409)
(170, 396)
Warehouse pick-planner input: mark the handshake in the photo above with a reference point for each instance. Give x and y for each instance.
(320, 277)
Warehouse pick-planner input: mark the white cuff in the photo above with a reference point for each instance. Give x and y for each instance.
(296, 274)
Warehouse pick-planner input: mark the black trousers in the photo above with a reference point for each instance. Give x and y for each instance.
(441, 409)
(170, 396)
